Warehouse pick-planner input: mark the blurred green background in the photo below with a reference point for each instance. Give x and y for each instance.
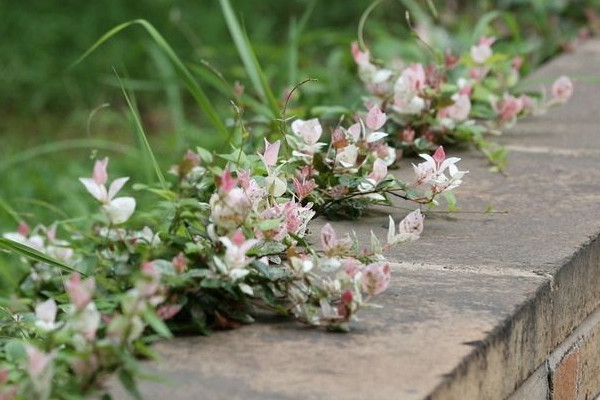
(54, 120)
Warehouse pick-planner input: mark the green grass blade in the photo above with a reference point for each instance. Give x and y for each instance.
(513, 25)
(211, 77)
(292, 53)
(295, 31)
(485, 20)
(240, 43)
(193, 87)
(246, 53)
(34, 254)
(305, 17)
(9, 210)
(363, 21)
(432, 8)
(171, 87)
(142, 136)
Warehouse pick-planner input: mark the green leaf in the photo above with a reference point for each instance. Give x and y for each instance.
(267, 248)
(157, 324)
(268, 224)
(128, 381)
(205, 155)
(14, 350)
(196, 273)
(268, 271)
(237, 157)
(211, 283)
(164, 193)
(451, 200)
(320, 111)
(421, 143)
(34, 254)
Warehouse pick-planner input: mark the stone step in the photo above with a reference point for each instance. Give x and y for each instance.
(475, 307)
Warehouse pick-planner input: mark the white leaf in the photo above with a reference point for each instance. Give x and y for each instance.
(375, 136)
(246, 289)
(116, 186)
(391, 231)
(119, 210)
(97, 191)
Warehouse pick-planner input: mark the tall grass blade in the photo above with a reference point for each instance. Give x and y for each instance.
(172, 91)
(34, 254)
(363, 21)
(142, 136)
(292, 53)
(240, 43)
(514, 26)
(9, 210)
(246, 53)
(432, 8)
(295, 31)
(213, 78)
(483, 23)
(183, 72)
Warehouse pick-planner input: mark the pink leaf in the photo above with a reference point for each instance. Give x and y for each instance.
(271, 152)
(439, 155)
(99, 175)
(375, 118)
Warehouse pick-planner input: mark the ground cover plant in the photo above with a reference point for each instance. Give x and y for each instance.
(225, 232)
(45, 111)
(216, 243)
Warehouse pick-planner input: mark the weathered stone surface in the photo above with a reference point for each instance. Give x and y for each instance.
(549, 200)
(476, 305)
(535, 387)
(431, 319)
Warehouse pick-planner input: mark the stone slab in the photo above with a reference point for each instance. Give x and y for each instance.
(475, 306)
(430, 320)
(582, 110)
(551, 202)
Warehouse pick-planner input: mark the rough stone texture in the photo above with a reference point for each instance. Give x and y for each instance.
(430, 319)
(564, 378)
(476, 305)
(535, 387)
